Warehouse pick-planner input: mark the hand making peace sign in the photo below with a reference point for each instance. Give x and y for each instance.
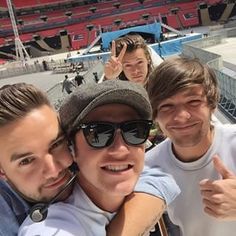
(113, 66)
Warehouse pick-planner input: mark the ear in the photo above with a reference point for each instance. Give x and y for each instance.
(2, 174)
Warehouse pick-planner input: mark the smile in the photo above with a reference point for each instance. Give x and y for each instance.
(58, 182)
(117, 168)
(183, 127)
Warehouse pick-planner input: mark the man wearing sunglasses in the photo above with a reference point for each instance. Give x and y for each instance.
(108, 127)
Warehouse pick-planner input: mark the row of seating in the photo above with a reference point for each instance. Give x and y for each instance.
(186, 16)
(29, 3)
(101, 8)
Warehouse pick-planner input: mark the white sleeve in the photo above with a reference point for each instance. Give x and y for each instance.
(62, 220)
(156, 59)
(154, 181)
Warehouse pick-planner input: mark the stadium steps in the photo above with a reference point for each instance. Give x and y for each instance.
(205, 18)
(227, 12)
(45, 46)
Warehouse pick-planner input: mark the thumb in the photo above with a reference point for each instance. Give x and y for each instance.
(222, 169)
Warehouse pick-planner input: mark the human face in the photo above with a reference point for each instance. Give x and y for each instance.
(34, 155)
(135, 66)
(185, 118)
(113, 170)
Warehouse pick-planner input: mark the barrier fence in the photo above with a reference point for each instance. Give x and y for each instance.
(227, 83)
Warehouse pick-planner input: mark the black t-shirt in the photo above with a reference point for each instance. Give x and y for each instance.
(79, 79)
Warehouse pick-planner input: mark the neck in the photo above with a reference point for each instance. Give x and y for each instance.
(102, 199)
(195, 152)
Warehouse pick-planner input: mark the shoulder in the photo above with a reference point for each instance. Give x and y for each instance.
(159, 148)
(226, 130)
(62, 220)
(13, 210)
(12, 203)
(156, 59)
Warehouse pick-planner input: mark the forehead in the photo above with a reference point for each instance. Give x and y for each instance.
(195, 90)
(112, 112)
(34, 130)
(134, 55)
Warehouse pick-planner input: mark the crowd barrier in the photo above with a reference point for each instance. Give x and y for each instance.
(227, 83)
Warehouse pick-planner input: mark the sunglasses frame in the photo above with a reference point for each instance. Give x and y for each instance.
(115, 127)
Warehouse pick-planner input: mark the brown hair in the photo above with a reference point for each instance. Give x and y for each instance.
(17, 100)
(133, 42)
(173, 75)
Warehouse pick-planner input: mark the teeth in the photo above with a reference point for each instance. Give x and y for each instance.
(117, 168)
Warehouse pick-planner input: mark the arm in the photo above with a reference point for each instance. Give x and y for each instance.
(128, 222)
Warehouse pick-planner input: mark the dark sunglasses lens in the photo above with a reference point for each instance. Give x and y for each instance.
(99, 135)
(136, 132)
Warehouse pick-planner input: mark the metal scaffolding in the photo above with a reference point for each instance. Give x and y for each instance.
(21, 53)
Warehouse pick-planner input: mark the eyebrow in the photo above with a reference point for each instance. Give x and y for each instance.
(17, 156)
(130, 61)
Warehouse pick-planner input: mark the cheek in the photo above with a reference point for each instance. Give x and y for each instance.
(25, 182)
(139, 157)
(126, 72)
(161, 121)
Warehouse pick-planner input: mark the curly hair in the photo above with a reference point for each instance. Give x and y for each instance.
(133, 42)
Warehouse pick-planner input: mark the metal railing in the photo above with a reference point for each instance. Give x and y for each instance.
(227, 83)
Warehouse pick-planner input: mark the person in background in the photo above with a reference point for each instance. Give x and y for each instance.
(34, 154)
(96, 79)
(67, 85)
(198, 153)
(108, 127)
(131, 59)
(79, 79)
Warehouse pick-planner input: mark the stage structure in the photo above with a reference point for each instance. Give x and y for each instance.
(21, 53)
(152, 29)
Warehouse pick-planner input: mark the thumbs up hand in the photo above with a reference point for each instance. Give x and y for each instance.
(219, 196)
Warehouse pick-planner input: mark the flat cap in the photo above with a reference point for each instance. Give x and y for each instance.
(90, 95)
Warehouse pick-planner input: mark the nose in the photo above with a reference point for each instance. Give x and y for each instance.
(181, 114)
(135, 69)
(119, 149)
(51, 167)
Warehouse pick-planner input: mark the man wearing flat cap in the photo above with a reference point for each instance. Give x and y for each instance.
(108, 126)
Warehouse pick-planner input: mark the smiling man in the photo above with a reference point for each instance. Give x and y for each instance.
(108, 127)
(198, 153)
(34, 156)
(131, 59)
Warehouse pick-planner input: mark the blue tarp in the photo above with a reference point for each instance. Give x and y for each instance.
(174, 46)
(165, 49)
(154, 29)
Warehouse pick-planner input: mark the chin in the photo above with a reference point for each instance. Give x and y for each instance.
(124, 188)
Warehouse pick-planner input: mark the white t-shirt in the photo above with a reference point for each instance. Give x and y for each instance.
(76, 217)
(186, 210)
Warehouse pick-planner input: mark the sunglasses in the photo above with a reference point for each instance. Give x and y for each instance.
(102, 134)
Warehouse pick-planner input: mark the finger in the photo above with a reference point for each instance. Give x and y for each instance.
(206, 194)
(113, 61)
(212, 197)
(212, 212)
(222, 169)
(209, 204)
(206, 184)
(113, 48)
(122, 53)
